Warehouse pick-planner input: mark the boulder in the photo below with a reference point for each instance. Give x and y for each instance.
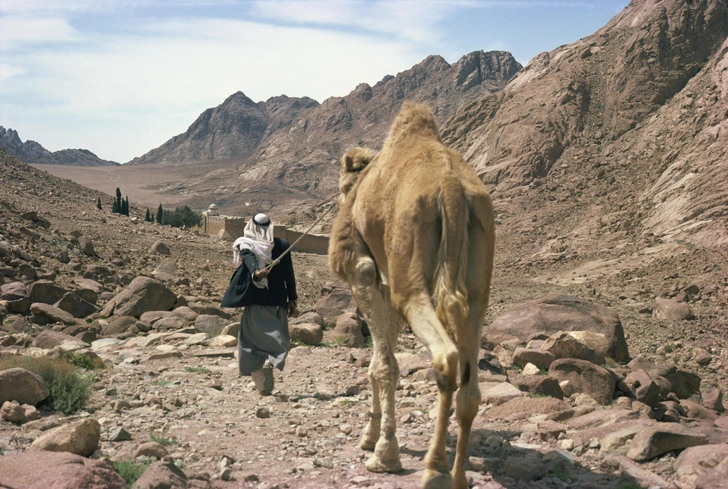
(671, 309)
(160, 247)
(339, 301)
(87, 246)
(564, 345)
(162, 474)
(150, 449)
(500, 394)
(661, 438)
(16, 296)
(45, 291)
(210, 324)
(640, 386)
(231, 329)
(308, 333)
(87, 283)
(170, 323)
(224, 341)
(556, 312)
(47, 314)
(76, 306)
(141, 295)
(716, 478)
(585, 377)
(696, 461)
(119, 325)
(13, 291)
(166, 270)
(94, 271)
(682, 382)
(538, 384)
(307, 317)
(185, 313)
(81, 438)
(12, 411)
(540, 358)
(209, 310)
(713, 399)
(49, 339)
(57, 470)
(348, 330)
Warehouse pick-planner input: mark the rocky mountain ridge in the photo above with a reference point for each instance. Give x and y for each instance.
(286, 146)
(33, 152)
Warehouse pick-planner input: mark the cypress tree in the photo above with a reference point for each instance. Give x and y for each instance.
(98, 203)
(148, 217)
(114, 206)
(160, 213)
(125, 206)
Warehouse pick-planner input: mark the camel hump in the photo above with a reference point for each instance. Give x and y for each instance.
(413, 120)
(356, 159)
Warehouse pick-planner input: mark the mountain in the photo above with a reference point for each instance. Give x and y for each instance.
(32, 152)
(618, 138)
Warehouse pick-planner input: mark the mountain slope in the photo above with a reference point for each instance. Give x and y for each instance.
(290, 154)
(617, 138)
(32, 152)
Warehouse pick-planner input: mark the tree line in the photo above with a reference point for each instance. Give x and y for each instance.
(181, 216)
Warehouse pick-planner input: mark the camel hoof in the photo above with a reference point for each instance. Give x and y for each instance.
(367, 444)
(436, 480)
(374, 464)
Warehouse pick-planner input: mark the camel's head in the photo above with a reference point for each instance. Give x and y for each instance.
(352, 163)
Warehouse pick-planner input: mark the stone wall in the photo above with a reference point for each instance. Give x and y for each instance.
(232, 228)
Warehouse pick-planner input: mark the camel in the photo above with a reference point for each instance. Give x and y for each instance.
(414, 238)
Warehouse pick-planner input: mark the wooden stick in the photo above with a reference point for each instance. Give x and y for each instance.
(288, 250)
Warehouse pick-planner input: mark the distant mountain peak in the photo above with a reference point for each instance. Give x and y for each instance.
(32, 152)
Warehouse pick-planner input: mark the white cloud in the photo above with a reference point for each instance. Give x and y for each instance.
(17, 29)
(8, 71)
(158, 79)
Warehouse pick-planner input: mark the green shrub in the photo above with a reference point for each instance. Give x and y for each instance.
(163, 440)
(84, 361)
(198, 370)
(130, 471)
(68, 388)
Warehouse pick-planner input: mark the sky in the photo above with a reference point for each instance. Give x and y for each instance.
(121, 77)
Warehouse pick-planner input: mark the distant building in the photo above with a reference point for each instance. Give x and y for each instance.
(231, 228)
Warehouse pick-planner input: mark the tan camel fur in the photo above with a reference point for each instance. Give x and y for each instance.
(414, 239)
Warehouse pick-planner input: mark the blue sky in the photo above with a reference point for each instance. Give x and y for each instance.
(120, 77)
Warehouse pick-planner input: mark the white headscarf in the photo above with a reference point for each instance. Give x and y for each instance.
(258, 238)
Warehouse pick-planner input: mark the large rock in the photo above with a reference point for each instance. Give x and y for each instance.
(556, 312)
(119, 325)
(540, 358)
(541, 385)
(81, 438)
(77, 306)
(716, 478)
(585, 377)
(210, 324)
(696, 461)
(564, 345)
(49, 339)
(661, 438)
(308, 333)
(642, 387)
(18, 384)
(671, 309)
(46, 314)
(141, 295)
(57, 470)
(500, 394)
(307, 317)
(162, 474)
(86, 245)
(160, 247)
(339, 301)
(682, 382)
(348, 330)
(45, 291)
(17, 296)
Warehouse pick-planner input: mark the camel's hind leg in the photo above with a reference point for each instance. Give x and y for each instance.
(384, 326)
(420, 315)
(468, 396)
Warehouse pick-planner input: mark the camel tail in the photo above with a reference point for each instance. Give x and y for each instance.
(451, 291)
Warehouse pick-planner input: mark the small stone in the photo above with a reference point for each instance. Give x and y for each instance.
(301, 432)
(530, 369)
(262, 412)
(120, 434)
